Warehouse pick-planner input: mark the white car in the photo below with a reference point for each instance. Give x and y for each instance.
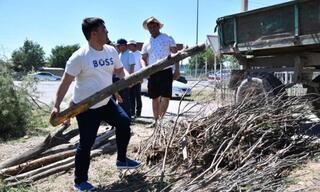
(45, 76)
(178, 89)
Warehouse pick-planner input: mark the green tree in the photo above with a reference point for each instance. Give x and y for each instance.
(18, 114)
(208, 56)
(60, 55)
(28, 57)
(14, 106)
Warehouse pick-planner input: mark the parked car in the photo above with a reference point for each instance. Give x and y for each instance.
(219, 78)
(45, 76)
(178, 88)
(182, 79)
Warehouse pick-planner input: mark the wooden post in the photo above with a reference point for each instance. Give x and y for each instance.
(123, 83)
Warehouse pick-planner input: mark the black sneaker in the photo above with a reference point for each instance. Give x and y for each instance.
(84, 186)
(128, 164)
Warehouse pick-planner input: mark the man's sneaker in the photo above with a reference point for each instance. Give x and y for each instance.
(128, 164)
(84, 186)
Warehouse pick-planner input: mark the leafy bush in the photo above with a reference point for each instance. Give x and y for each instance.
(17, 113)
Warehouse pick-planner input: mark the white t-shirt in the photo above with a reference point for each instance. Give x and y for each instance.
(93, 71)
(158, 48)
(137, 57)
(127, 59)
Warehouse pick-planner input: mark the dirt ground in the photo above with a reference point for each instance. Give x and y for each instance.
(102, 172)
(106, 177)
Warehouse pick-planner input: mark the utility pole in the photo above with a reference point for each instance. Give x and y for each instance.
(197, 26)
(244, 5)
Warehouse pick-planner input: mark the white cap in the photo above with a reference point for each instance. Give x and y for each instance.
(132, 42)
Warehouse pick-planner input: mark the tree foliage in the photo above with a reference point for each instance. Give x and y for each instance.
(13, 104)
(17, 113)
(28, 57)
(208, 56)
(60, 55)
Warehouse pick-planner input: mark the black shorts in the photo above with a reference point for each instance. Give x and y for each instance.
(160, 84)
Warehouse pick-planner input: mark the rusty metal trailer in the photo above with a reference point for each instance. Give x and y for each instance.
(283, 37)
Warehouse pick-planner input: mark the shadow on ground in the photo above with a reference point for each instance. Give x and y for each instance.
(133, 182)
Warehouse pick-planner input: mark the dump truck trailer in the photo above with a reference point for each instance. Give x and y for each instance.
(283, 37)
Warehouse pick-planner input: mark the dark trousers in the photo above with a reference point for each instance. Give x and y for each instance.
(126, 104)
(89, 122)
(135, 98)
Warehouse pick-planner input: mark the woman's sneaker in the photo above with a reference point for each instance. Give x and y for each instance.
(84, 186)
(128, 164)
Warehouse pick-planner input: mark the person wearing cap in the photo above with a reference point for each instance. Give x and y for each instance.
(92, 67)
(157, 47)
(135, 90)
(127, 59)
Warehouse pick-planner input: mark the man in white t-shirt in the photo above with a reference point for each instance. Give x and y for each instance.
(157, 47)
(135, 90)
(92, 67)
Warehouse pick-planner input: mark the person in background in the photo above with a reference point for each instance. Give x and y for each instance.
(135, 90)
(92, 67)
(127, 59)
(157, 47)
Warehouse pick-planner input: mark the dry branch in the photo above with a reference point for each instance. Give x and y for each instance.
(250, 146)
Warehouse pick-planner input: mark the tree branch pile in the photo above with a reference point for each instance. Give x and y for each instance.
(55, 154)
(247, 147)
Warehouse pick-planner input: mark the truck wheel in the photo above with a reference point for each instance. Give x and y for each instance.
(264, 84)
(316, 101)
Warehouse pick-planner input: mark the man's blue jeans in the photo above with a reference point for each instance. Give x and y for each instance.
(89, 122)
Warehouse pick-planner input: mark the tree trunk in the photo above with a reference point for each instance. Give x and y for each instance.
(36, 163)
(51, 140)
(21, 168)
(39, 174)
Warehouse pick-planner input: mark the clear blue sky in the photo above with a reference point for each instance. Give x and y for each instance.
(58, 22)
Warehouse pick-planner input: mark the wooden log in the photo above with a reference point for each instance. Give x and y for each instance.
(100, 140)
(59, 149)
(25, 167)
(131, 79)
(40, 174)
(39, 170)
(51, 140)
(21, 168)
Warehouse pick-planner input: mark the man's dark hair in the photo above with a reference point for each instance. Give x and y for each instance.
(91, 24)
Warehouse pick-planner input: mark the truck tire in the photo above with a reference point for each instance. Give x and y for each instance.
(316, 101)
(264, 84)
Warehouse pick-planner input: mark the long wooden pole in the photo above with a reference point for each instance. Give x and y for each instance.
(119, 85)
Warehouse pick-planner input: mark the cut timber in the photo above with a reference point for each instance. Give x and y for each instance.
(36, 175)
(51, 140)
(119, 85)
(31, 165)
(37, 163)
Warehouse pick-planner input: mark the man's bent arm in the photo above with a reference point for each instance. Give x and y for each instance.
(144, 58)
(63, 88)
(177, 66)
